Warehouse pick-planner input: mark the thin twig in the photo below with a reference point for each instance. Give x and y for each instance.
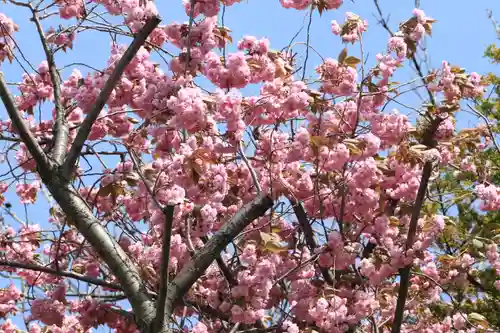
(147, 183)
(301, 215)
(308, 38)
(251, 169)
(384, 24)
(51, 271)
(454, 302)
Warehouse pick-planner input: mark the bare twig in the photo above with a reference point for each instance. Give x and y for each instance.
(51, 271)
(308, 37)
(251, 169)
(147, 183)
(301, 215)
(110, 84)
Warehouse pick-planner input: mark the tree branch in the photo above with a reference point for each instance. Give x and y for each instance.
(301, 215)
(405, 272)
(223, 267)
(79, 213)
(51, 271)
(206, 255)
(165, 259)
(61, 131)
(24, 132)
(226, 272)
(110, 84)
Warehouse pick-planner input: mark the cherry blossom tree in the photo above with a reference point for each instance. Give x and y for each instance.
(180, 202)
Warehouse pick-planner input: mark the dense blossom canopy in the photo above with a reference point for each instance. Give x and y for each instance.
(355, 239)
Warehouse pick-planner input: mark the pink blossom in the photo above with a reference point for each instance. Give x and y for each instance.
(50, 312)
(296, 4)
(490, 195)
(398, 45)
(352, 29)
(6, 33)
(28, 192)
(200, 328)
(337, 79)
(8, 300)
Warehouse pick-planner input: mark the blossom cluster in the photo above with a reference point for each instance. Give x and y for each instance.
(7, 30)
(354, 168)
(351, 30)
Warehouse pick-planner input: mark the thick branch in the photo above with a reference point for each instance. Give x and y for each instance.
(301, 215)
(165, 259)
(205, 256)
(79, 213)
(75, 208)
(110, 84)
(405, 272)
(71, 275)
(24, 132)
(61, 130)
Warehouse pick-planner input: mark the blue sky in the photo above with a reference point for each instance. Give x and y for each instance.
(460, 37)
